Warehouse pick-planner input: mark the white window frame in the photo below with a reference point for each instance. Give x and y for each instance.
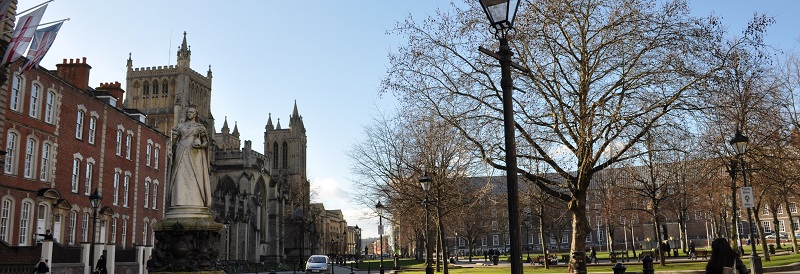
(49, 106)
(76, 174)
(781, 225)
(12, 146)
(116, 188)
(793, 208)
(88, 178)
(495, 240)
(155, 194)
(73, 221)
(780, 209)
(767, 226)
(147, 153)
(146, 193)
(15, 98)
(156, 153)
(128, 146)
(125, 187)
(124, 238)
(31, 146)
(92, 128)
(44, 172)
(119, 142)
(85, 227)
(114, 230)
(6, 219)
(79, 124)
(33, 104)
(25, 216)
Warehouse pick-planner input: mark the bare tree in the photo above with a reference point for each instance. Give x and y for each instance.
(602, 74)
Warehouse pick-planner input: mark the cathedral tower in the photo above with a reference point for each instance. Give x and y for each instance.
(163, 92)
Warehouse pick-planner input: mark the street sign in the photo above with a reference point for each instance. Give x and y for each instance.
(380, 229)
(747, 197)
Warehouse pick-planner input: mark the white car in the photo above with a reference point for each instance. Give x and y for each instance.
(318, 264)
(782, 234)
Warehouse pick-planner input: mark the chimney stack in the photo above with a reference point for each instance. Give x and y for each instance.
(115, 90)
(76, 72)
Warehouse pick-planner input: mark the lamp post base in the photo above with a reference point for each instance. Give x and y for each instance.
(755, 264)
(429, 270)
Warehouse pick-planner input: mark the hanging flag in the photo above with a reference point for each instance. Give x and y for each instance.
(4, 9)
(23, 34)
(42, 40)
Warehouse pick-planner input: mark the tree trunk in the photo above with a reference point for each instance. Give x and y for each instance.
(543, 244)
(580, 228)
(791, 224)
(760, 235)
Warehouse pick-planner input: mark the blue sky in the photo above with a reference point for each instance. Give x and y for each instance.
(329, 56)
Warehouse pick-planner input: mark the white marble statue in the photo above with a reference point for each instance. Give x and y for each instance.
(189, 184)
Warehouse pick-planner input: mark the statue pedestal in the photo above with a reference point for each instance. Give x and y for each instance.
(186, 242)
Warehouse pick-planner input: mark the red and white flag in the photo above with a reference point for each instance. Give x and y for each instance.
(23, 34)
(42, 40)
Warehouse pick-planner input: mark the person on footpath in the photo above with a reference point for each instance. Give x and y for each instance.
(723, 256)
(100, 268)
(41, 267)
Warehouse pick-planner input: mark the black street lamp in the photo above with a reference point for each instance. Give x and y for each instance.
(739, 143)
(425, 181)
(95, 200)
(501, 14)
(379, 207)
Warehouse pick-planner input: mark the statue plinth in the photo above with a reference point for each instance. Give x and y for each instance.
(187, 245)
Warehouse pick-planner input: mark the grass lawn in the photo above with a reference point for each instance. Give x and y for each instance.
(412, 266)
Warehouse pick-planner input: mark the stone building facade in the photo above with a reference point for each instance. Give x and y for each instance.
(261, 196)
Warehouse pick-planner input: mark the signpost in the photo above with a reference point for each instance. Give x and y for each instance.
(747, 197)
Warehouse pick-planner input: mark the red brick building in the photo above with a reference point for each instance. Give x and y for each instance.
(64, 140)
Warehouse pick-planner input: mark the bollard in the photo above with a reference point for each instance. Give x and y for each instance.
(351, 268)
(368, 268)
(647, 265)
(619, 268)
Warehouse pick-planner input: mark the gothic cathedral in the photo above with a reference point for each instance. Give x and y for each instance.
(262, 198)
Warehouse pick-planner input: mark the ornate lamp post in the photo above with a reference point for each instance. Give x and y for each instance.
(425, 182)
(95, 200)
(379, 207)
(501, 15)
(739, 144)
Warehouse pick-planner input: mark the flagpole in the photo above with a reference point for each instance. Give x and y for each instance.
(39, 25)
(27, 10)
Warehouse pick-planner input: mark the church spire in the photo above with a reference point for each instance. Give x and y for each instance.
(235, 129)
(184, 53)
(225, 129)
(130, 61)
(269, 123)
(296, 121)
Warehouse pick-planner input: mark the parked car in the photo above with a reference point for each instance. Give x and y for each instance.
(318, 264)
(782, 234)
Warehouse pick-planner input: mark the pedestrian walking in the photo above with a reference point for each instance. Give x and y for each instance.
(722, 257)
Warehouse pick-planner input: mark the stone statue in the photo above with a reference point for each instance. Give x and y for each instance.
(189, 184)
